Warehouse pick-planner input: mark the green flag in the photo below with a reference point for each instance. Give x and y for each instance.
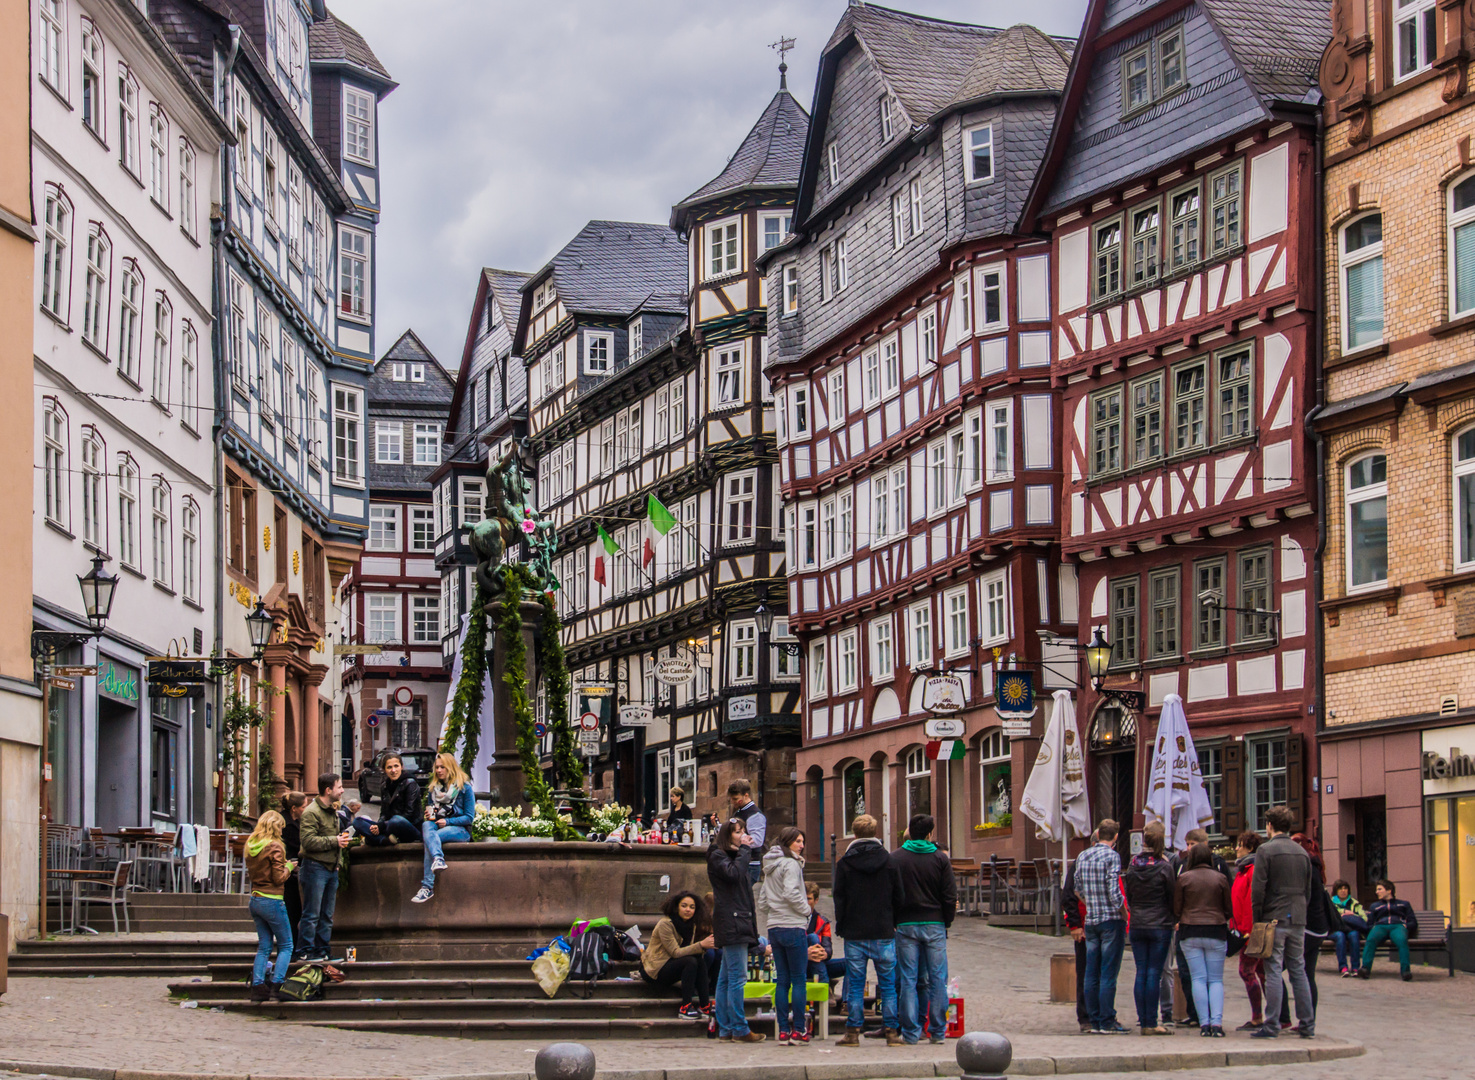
(608, 541)
(661, 519)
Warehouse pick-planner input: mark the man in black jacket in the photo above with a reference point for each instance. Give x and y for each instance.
(868, 894)
(931, 901)
(399, 808)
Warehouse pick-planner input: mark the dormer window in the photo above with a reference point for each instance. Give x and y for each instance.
(887, 112)
(1413, 37)
(832, 156)
(637, 338)
(1154, 71)
(722, 248)
(978, 153)
(358, 125)
(599, 349)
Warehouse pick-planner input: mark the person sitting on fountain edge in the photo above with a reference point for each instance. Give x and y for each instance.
(448, 814)
(399, 807)
(677, 954)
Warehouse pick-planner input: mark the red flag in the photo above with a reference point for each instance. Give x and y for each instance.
(599, 569)
(650, 554)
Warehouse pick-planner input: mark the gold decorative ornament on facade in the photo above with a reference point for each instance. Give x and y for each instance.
(296, 562)
(266, 536)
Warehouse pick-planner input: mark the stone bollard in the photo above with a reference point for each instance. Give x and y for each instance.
(982, 1055)
(565, 1061)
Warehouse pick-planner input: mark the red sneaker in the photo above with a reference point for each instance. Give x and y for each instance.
(783, 1038)
(799, 1037)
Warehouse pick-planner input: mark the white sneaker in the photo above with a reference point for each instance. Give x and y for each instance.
(437, 865)
(423, 895)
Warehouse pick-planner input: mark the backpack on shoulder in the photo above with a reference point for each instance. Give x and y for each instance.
(307, 984)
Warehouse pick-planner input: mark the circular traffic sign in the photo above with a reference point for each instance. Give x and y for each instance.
(540, 729)
(589, 721)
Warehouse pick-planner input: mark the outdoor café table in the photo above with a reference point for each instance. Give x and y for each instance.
(814, 992)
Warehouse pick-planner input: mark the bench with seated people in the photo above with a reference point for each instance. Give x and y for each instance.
(1395, 922)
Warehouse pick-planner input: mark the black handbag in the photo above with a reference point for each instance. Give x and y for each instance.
(1235, 943)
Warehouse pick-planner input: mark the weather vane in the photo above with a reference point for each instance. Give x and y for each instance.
(782, 47)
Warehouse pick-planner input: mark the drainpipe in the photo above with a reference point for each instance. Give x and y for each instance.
(1317, 352)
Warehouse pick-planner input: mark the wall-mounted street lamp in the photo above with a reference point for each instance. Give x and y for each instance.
(764, 618)
(259, 623)
(98, 587)
(1098, 660)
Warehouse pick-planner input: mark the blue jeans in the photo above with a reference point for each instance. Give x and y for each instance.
(921, 946)
(1103, 961)
(434, 839)
(791, 963)
(731, 1019)
(396, 826)
(1205, 958)
(882, 953)
(1348, 944)
(1149, 953)
(828, 969)
(319, 886)
(272, 928)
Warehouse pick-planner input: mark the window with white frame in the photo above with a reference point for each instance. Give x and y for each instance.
(938, 488)
(914, 207)
(1108, 253)
(791, 289)
(607, 446)
(637, 338)
(599, 352)
(130, 321)
(55, 467)
(159, 156)
(827, 272)
(163, 335)
(678, 408)
(381, 615)
(890, 367)
(236, 331)
(993, 592)
(161, 536)
(957, 465)
(846, 522)
(1236, 370)
(847, 661)
(92, 69)
(271, 188)
(95, 295)
(835, 385)
(427, 444)
(883, 656)
(127, 511)
(880, 506)
(730, 376)
(775, 227)
(353, 273)
(899, 235)
(995, 776)
(1367, 521)
(782, 662)
(871, 377)
(188, 212)
(425, 616)
(1414, 38)
(963, 298)
(842, 263)
(918, 783)
(799, 398)
(919, 640)
(389, 436)
(972, 472)
(723, 256)
(1362, 281)
(819, 686)
(1462, 245)
(1146, 234)
(1464, 497)
(358, 125)
(52, 44)
(828, 531)
(901, 513)
(1000, 461)
(740, 501)
(742, 652)
(832, 158)
(56, 244)
(1226, 206)
(990, 299)
(383, 528)
(189, 549)
(422, 528)
(955, 607)
(888, 108)
(1185, 224)
(347, 441)
(978, 153)
(927, 335)
(808, 555)
(127, 120)
(1147, 419)
(94, 496)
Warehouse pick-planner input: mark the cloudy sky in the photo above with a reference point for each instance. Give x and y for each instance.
(515, 123)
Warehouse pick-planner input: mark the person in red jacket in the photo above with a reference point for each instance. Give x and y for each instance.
(1251, 971)
(1074, 910)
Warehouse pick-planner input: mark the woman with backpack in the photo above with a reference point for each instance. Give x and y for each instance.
(677, 954)
(450, 806)
(787, 911)
(734, 927)
(268, 868)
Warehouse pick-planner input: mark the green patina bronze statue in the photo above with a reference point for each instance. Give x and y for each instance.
(510, 517)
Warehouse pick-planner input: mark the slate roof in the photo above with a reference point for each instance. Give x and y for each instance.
(505, 285)
(1278, 43)
(333, 41)
(617, 267)
(932, 65)
(768, 157)
(434, 394)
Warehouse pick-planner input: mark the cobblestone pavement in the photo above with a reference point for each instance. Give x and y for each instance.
(1420, 1029)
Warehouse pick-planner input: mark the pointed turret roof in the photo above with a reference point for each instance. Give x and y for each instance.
(769, 157)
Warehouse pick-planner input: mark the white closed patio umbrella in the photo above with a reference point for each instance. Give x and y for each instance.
(1176, 795)
(1055, 794)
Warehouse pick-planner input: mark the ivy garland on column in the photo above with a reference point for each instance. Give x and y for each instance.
(465, 720)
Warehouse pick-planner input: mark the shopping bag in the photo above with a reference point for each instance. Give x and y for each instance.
(550, 970)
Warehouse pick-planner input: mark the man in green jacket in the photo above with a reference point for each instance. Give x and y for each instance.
(318, 875)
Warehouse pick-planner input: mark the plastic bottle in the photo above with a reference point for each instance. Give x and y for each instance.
(954, 987)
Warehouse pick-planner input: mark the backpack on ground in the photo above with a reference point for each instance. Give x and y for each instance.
(589, 960)
(306, 984)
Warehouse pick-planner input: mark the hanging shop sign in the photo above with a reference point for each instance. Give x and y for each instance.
(636, 716)
(675, 671)
(1018, 729)
(342, 649)
(117, 682)
(595, 689)
(943, 727)
(742, 708)
(177, 691)
(624, 736)
(1014, 694)
(177, 671)
(943, 694)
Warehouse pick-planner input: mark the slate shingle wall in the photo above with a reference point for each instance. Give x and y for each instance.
(855, 124)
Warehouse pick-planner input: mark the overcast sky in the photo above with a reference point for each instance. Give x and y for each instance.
(515, 123)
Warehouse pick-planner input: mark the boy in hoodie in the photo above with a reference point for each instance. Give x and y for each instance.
(868, 894)
(930, 901)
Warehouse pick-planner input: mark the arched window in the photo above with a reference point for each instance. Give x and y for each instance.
(189, 375)
(995, 778)
(1462, 245)
(159, 156)
(54, 465)
(1367, 521)
(130, 321)
(1362, 282)
(919, 783)
(853, 783)
(163, 334)
(127, 119)
(1464, 498)
(95, 300)
(52, 44)
(187, 188)
(56, 245)
(160, 503)
(128, 511)
(92, 69)
(94, 489)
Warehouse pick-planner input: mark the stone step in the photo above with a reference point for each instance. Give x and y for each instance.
(338, 1005)
(237, 970)
(424, 989)
(193, 900)
(540, 1030)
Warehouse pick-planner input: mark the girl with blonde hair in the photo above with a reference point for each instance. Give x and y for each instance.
(268, 867)
(450, 804)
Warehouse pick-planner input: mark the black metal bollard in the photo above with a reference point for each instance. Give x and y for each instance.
(564, 1061)
(983, 1055)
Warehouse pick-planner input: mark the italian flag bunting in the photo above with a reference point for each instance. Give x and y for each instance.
(946, 750)
(610, 546)
(659, 521)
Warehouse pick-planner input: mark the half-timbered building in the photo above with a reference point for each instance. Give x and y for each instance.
(488, 414)
(1178, 191)
(909, 350)
(392, 597)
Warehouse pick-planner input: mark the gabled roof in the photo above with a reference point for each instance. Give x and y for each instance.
(434, 393)
(504, 286)
(331, 42)
(932, 67)
(614, 268)
(1276, 45)
(768, 157)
